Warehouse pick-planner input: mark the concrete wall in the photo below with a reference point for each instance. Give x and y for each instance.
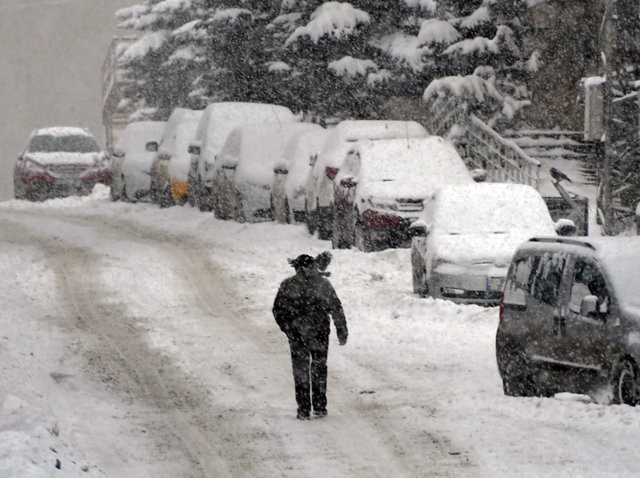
(51, 54)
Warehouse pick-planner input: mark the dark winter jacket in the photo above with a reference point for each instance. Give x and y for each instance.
(304, 305)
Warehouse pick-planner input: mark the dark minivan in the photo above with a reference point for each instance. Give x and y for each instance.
(570, 319)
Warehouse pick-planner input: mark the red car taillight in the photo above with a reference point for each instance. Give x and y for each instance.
(35, 173)
(375, 220)
(331, 172)
(98, 176)
(43, 177)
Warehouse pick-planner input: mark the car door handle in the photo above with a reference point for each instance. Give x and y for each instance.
(559, 324)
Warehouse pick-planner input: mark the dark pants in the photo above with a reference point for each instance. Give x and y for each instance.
(309, 361)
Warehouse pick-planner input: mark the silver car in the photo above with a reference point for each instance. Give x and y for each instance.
(60, 161)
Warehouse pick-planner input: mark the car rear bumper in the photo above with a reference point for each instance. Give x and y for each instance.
(479, 289)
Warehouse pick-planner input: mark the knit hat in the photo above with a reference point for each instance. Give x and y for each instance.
(303, 260)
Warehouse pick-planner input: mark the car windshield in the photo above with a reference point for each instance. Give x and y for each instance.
(65, 144)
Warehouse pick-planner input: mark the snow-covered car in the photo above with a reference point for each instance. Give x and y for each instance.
(170, 167)
(60, 161)
(382, 186)
(319, 186)
(131, 168)
(217, 121)
(291, 175)
(570, 319)
(467, 235)
(245, 168)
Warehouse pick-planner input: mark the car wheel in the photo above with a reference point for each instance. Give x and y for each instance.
(310, 217)
(166, 198)
(324, 231)
(625, 384)
(192, 195)
(205, 199)
(238, 210)
(287, 212)
(123, 195)
(418, 274)
(113, 193)
(338, 240)
(516, 377)
(363, 237)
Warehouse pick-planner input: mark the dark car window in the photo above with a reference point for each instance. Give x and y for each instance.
(546, 277)
(539, 276)
(517, 282)
(588, 280)
(65, 144)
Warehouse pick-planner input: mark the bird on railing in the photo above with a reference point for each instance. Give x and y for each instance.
(559, 175)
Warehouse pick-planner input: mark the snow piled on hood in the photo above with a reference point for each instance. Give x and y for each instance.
(63, 131)
(482, 208)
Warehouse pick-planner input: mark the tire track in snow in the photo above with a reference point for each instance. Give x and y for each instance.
(261, 439)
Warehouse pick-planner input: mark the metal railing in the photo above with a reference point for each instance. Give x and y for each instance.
(481, 146)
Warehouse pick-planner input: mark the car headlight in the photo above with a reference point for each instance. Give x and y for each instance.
(384, 204)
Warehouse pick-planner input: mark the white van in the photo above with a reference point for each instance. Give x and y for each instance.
(218, 120)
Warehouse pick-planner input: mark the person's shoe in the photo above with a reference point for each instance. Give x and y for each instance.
(320, 413)
(303, 415)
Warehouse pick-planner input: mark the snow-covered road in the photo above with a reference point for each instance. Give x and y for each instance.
(139, 342)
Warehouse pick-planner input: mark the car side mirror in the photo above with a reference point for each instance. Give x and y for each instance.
(151, 146)
(565, 227)
(281, 170)
(348, 182)
(419, 229)
(589, 306)
(479, 175)
(194, 149)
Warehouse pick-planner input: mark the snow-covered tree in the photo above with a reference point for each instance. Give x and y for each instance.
(326, 59)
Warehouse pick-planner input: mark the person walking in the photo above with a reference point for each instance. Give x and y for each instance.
(303, 308)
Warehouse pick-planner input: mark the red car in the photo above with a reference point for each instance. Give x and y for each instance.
(60, 161)
(383, 185)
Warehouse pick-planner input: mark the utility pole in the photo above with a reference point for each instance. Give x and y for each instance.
(609, 59)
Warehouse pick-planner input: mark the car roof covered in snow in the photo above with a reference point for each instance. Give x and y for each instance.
(254, 149)
(619, 256)
(137, 134)
(415, 167)
(220, 118)
(348, 131)
(62, 131)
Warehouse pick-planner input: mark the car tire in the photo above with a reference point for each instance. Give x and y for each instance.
(238, 210)
(287, 212)
(123, 194)
(516, 377)
(624, 387)
(192, 195)
(324, 232)
(338, 240)
(113, 193)
(310, 220)
(165, 198)
(418, 274)
(362, 237)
